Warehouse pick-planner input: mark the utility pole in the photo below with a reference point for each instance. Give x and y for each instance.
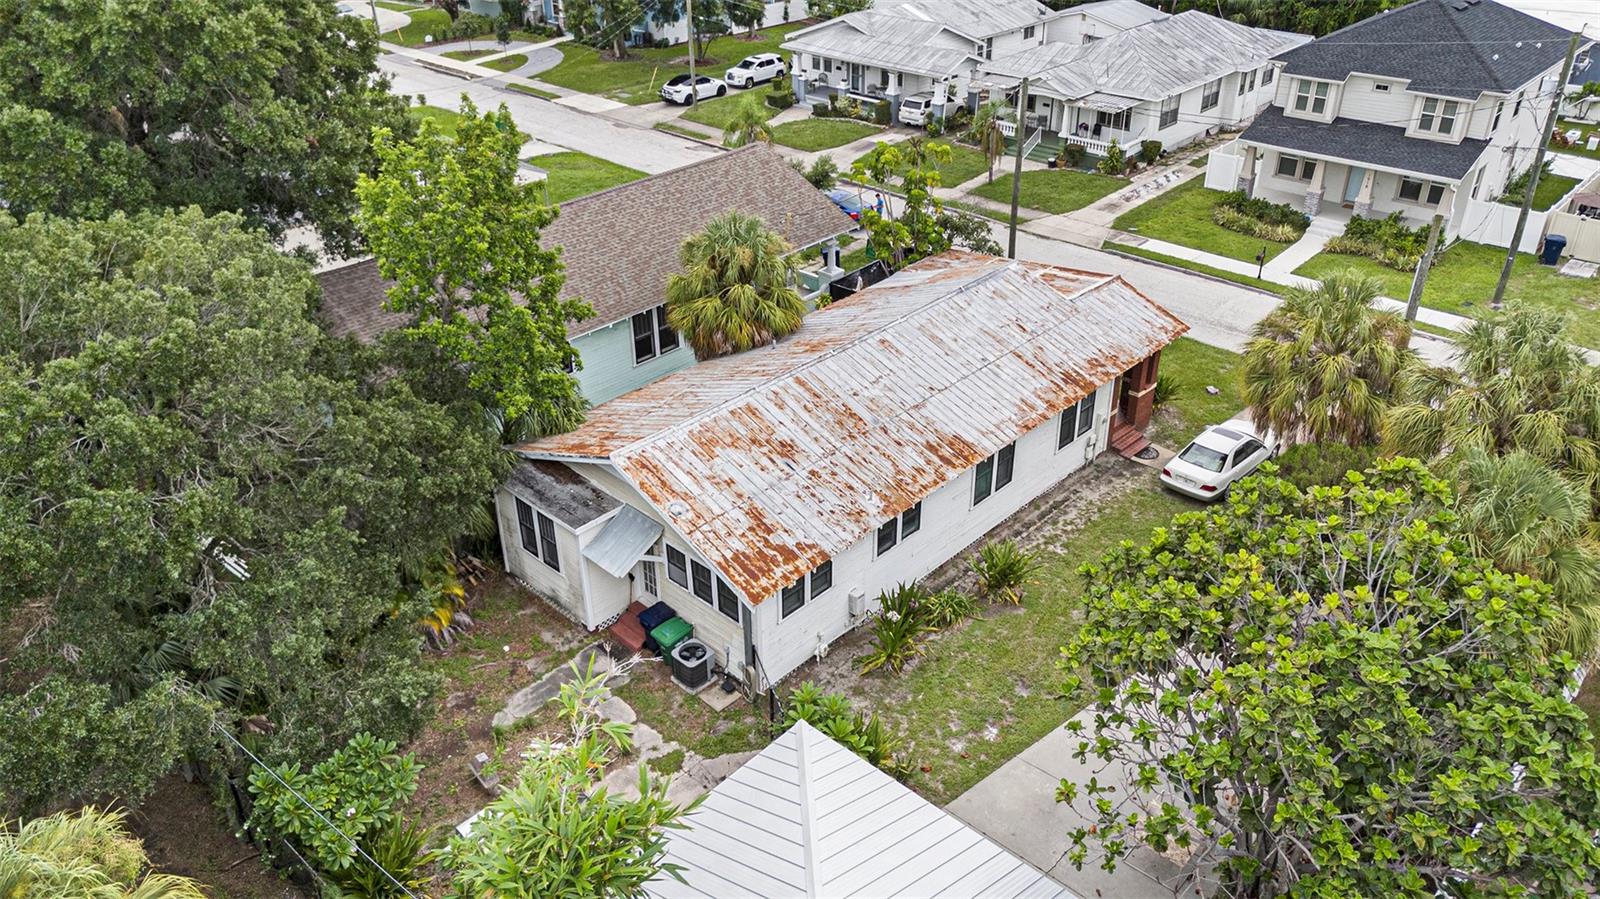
(1533, 176)
(1423, 264)
(1016, 174)
(375, 16)
(694, 89)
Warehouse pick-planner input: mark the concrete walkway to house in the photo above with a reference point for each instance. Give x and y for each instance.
(1280, 268)
(1016, 807)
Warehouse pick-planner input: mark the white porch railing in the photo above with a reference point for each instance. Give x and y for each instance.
(1096, 147)
(1032, 141)
(1008, 128)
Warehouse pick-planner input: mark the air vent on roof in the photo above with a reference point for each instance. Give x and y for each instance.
(677, 508)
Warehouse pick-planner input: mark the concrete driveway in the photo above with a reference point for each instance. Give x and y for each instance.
(1015, 806)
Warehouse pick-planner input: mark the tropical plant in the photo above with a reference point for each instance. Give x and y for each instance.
(1003, 568)
(966, 230)
(1115, 162)
(947, 607)
(896, 628)
(1529, 519)
(823, 173)
(1323, 365)
(832, 714)
(362, 787)
(736, 288)
(450, 224)
(400, 851)
(1515, 383)
(916, 232)
(558, 832)
(986, 133)
(1308, 465)
(747, 125)
(1167, 388)
(87, 854)
(436, 583)
(1326, 693)
(1387, 240)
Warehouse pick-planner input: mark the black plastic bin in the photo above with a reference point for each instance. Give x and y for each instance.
(1553, 245)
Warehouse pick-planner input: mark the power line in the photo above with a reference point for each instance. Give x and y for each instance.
(313, 809)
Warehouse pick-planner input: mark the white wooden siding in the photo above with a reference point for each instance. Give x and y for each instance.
(565, 588)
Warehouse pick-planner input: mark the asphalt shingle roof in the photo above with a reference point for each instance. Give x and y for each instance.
(1367, 142)
(620, 244)
(1457, 48)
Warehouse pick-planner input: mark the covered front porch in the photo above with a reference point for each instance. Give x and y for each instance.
(824, 79)
(1321, 185)
(1092, 122)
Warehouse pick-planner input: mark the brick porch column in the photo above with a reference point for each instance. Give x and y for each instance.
(1143, 392)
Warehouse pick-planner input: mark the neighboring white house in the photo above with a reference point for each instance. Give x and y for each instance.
(1174, 79)
(903, 47)
(807, 817)
(618, 247)
(1585, 71)
(770, 497)
(1431, 107)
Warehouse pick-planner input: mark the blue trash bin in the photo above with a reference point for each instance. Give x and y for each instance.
(1553, 245)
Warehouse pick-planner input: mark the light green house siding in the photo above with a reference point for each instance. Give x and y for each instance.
(608, 370)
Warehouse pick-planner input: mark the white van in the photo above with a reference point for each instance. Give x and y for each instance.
(915, 109)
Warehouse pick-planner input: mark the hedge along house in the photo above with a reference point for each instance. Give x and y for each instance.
(1174, 80)
(770, 497)
(619, 246)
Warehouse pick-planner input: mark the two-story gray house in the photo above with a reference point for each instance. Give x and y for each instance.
(618, 247)
(1421, 109)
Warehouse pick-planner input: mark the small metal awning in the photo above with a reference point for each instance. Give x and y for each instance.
(1106, 102)
(627, 536)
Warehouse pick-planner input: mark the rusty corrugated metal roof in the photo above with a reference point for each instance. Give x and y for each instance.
(774, 460)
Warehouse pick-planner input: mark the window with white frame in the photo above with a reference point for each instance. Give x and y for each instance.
(1311, 96)
(1169, 112)
(702, 581)
(1296, 167)
(1494, 123)
(1267, 73)
(1438, 116)
(652, 585)
(1516, 106)
(1414, 191)
(1381, 87)
(1211, 96)
(808, 587)
(1029, 32)
(988, 48)
(1112, 121)
(993, 473)
(1477, 182)
(677, 567)
(538, 534)
(727, 600)
(898, 528)
(652, 336)
(1076, 420)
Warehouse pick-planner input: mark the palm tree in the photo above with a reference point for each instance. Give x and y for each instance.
(1530, 520)
(749, 124)
(1516, 384)
(1323, 365)
(735, 289)
(986, 132)
(88, 854)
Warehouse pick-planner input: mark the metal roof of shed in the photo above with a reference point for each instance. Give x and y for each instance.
(808, 817)
(772, 461)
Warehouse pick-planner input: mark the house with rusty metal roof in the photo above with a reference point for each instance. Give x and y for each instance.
(619, 246)
(770, 497)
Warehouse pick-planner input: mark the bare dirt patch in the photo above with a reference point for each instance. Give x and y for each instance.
(185, 833)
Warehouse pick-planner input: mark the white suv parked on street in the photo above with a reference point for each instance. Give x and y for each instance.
(754, 69)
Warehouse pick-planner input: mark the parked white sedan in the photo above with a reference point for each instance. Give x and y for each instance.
(1220, 455)
(676, 90)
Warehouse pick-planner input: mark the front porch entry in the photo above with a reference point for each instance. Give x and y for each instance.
(1134, 393)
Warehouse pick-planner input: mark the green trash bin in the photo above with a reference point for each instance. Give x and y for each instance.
(668, 634)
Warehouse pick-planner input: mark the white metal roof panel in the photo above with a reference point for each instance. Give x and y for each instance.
(774, 460)
(862, 834)
(622, 540)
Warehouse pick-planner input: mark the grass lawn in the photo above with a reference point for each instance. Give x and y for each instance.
(822, 134)
(465, 55)
(1202, 268)
(1551, 188)
(423, 23)
(445, 119)
(965, 164)
(695, 133)
(1183, 216)
(1577, 149)
(531, 91)
(1052, 190)
(1463, 282)
(574, 174)
(637, 79)
(1196, 366)
(997, 215)
(507, 63)
(719, 112)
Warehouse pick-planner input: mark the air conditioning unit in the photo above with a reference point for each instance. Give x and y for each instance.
(691, 664)
(858, 604)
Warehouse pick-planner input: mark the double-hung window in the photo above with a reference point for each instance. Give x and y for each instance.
(1311, 96)
(1029, 32)
(727, 600)
(1266, 74)
(795, 595)
(898, 528)
(1414, 191)
(1516, 106)
(1076, 420)
(988, 48)
(1169, 111)
(652, 336)
(1211, 96)
(538, 535)
(1296, 167)
(993, 473)
(677, 566)
(702, 581)
(1438, 116)
(1494, 124)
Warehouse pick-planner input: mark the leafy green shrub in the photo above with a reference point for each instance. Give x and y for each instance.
(900, 622)
(468, 24)
(1149, 151)
(1115, 161)
(361, 786)
(1323, 464)
(832, 714)
(934, 126)
(823, 174)
(946, 607)
(1517, 188)
(1234, 220)
(1002, 568)
(781, 96)
(1386, 240)
(1166, 389)
(822, 110)
(880, 112)
(1238, 211)
(402, 849)
(1073, 153)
